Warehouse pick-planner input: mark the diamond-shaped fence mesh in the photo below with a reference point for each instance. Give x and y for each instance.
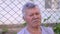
(11, 14)
(10, 11)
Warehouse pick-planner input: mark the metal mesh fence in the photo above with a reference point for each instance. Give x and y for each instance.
(10, 11)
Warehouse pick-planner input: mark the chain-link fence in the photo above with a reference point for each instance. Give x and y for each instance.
(10, 11)
(11, 14)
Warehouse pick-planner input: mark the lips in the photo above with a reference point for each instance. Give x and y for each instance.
(36, 21)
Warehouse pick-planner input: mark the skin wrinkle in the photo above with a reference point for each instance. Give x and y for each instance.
(32, 17)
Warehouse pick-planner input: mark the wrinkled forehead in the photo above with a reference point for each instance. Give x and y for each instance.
(32, 10)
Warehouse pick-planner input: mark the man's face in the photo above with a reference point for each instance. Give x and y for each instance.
(33, 17)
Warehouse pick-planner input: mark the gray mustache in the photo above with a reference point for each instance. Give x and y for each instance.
(36, 20)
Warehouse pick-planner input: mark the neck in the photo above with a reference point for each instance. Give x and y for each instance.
(34, 29)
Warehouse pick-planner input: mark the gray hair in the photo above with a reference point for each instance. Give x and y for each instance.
(28, 6)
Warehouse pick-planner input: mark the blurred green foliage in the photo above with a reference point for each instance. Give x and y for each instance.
(25, 24)
(4, 30)
(56, 28)
(47, 18)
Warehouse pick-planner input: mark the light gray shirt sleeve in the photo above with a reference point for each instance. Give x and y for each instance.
(47, 30)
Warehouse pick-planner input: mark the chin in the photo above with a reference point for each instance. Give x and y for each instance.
(36, 25)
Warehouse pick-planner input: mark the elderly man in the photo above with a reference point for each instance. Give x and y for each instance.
(32, 16)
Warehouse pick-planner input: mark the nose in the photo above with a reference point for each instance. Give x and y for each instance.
(35, 16)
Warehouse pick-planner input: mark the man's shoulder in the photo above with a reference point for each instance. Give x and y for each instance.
(21, 31)
(44, 27)
(48, 29)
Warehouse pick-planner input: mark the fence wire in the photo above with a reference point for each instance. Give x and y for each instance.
(10, 11)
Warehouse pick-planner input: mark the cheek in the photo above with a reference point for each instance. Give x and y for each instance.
(28, 19)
